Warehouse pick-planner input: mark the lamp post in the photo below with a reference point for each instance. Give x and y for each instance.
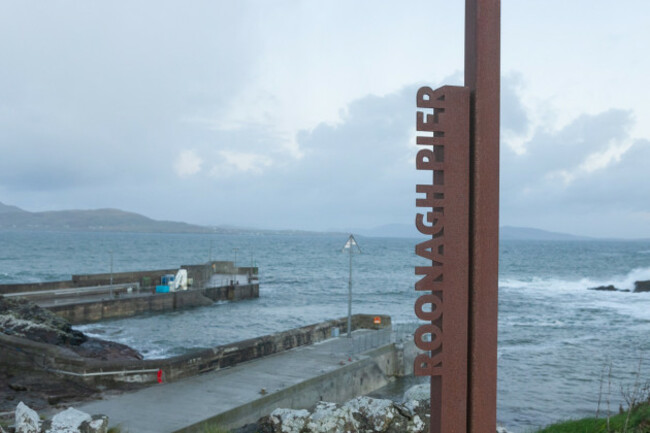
(349, 245)
(111, 280)
(234, 265)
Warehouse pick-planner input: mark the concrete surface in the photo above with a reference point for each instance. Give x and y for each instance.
(236, 392)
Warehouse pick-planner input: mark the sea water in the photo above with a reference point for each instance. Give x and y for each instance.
(557, 339)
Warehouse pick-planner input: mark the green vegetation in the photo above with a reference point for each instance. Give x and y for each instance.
(211, 428)
(638, 422)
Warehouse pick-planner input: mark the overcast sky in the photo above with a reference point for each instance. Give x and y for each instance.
(300, 114)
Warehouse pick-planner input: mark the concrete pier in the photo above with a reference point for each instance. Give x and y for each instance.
(94, 297)
(335, 370)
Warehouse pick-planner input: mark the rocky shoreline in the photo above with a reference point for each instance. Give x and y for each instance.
(639, 287)
(35, 385)
(360, 414)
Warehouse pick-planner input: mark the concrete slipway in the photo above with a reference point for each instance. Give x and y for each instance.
(241, 394)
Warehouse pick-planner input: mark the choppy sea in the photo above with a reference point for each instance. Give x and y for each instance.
(556, 338)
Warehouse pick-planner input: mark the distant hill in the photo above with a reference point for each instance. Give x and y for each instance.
(531, 234)
(113, 220)
(10, 209)
(390, 231)
(505, 233)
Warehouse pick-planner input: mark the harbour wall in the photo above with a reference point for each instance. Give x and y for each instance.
(200, 274)
(30, 355)
(360, 377)
(130, 305)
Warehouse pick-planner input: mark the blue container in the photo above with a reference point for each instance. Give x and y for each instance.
(162, 289)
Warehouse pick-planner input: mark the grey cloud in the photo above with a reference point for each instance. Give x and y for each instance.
(514, 118)
(531, 195)
(93, 94)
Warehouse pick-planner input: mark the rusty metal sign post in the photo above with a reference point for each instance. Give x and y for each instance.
(458, 141)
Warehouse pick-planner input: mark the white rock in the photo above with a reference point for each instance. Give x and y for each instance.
(292, 420)
(330, 418)
(418, 392)
(27, 420)
(99, 424)
(324, 409)
(418, 424)
(362, 414)
(68, 421)
(379, 412)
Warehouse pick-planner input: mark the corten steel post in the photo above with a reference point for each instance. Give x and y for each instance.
(442, 125)
(482, 76)
(458, 141)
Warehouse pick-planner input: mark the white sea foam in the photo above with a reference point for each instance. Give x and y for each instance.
(621, 282)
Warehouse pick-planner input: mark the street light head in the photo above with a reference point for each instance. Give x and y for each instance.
(351, 244)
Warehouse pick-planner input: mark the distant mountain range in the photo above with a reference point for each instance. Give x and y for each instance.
(505, 233)
(530, 234)
(109, 220)
(115, 220)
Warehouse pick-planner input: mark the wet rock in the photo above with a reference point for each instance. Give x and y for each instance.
(39, 389)
(609, 288)
(17, 386)
(97, 348)
(26, 419)
(362, 414)
(33, 385)
(22, 318)
(642, 286)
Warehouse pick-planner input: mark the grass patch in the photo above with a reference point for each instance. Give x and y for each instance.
(639, 422)
(210, 428)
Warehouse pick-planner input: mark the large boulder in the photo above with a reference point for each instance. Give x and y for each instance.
(26, 419)
(72, 420)
(362, 414)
